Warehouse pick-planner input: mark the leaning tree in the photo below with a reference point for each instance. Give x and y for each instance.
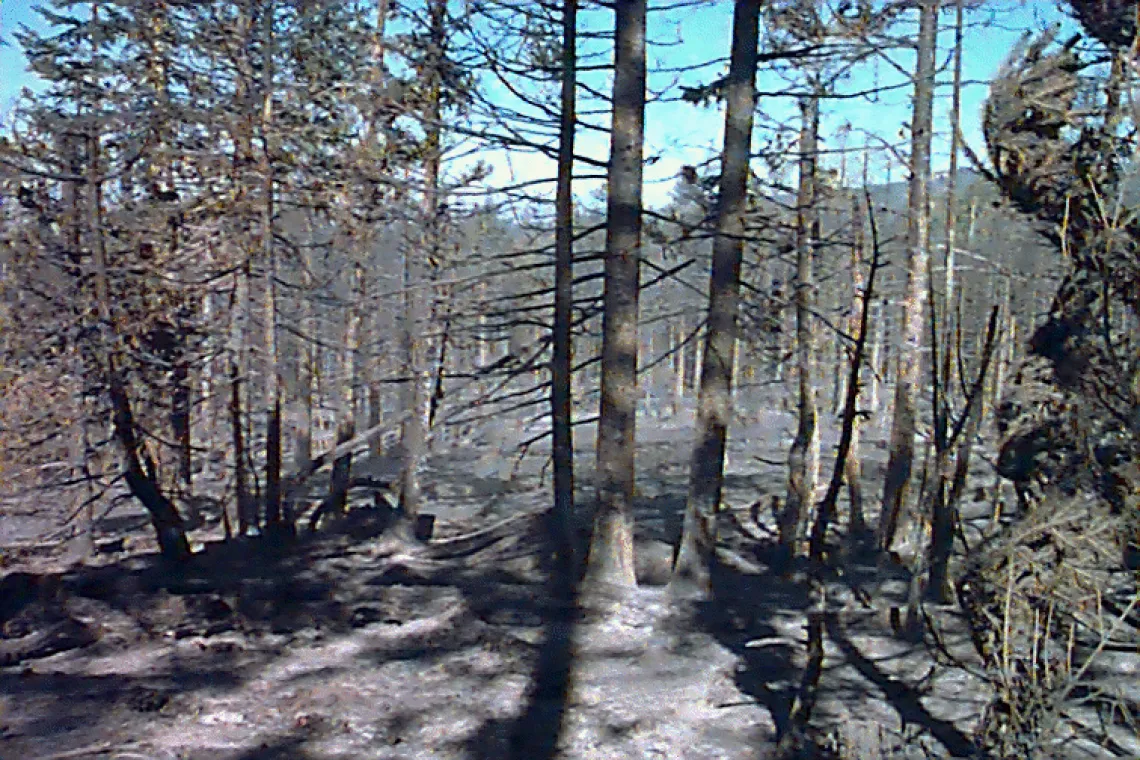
(1051, 597)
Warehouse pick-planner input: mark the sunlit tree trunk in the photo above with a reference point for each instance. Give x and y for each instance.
(611, 549)
(692, 570)
(272, 373)
(307, 365)
(949, 297)
(413, 430)
(677, 347)
(803, 458)
(348, 392)
(896, 487)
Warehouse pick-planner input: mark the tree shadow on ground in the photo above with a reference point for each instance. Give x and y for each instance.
(60, 709)
(535, 733)
(904, 698)
(741, 618)
(138, 610)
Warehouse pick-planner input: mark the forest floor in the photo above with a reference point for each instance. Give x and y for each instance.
(352, 646)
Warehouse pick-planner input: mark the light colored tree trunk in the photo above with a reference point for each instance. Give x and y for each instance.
(949, 300)
(677, 346)
(417, 374)
(274, 518)
(692, 570)
(896, 488)
(803, 458)
(1006, 346)
(611, 548)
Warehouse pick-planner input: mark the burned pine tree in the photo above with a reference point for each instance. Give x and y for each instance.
(1052, 592)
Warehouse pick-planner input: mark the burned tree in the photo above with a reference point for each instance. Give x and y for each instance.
(1051, 597)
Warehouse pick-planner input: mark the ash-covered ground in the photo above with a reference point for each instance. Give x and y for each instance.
(350, 645)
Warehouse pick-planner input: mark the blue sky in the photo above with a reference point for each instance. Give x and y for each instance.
(680, 133)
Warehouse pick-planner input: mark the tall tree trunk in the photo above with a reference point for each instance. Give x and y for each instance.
(896, 487)
(562, 360)
(860, 304)
(413, 433)
(677, 334)
(241, 478)
(803, 458)
(943, 509)
(240, 400)
(307, 369)
(611, 548)
(949, 302)
(1007, 345)
(348, 393)
(692, 570)
(439, 373)
(273, 508)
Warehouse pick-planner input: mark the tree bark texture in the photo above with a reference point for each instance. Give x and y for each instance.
(900, 464)
(803, 458)
(611, 549)
(140, 474)
(562, 359)
(413, 433)
(692, 570)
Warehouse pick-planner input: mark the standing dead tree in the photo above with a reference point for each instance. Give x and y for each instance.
(714, 410)
(611, 549)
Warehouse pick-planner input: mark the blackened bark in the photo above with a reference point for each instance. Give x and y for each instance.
(896, 487)
(180, 423)
(241, 478)
(168, 526)
(562, 360)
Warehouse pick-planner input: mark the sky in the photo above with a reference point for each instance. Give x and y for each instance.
(697, 39)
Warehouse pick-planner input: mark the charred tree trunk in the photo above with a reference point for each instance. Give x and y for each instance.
(860, 314)
(139, 472)
(241, 478)
(692, 570)
(950, 475)
(180, 402)
(413, 433)
(611, 548)
(562, 360)
(900, 464)
(141, 478)
(803, 459)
